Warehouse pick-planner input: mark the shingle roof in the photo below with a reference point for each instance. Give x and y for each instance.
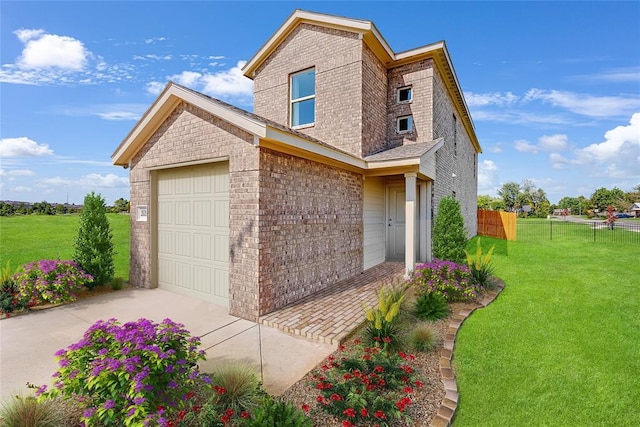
(403, 152)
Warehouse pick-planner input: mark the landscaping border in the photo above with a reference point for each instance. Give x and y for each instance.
(449, 404)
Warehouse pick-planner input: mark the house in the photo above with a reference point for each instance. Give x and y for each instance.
(339, 168)
(635, 209)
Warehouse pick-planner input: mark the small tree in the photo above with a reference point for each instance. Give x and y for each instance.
(94, 245)
(449, 234)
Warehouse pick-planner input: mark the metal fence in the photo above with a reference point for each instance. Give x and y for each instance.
(596, 231)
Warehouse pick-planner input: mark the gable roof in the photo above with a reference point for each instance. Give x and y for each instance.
(266, 134)
(635, 207)
(372, 37)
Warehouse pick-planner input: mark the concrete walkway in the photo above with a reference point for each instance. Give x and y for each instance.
(28, 342)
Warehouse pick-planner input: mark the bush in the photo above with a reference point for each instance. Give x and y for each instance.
(10, 298)
(422, 338)
(240, 385)
(117, 283)
(381, 328)
(449, 234)
(94, 243)
(480, 264)
(431, 306)
(453, 281)
(366, 385)
(277, 413)
(139, 372)
(23, 411)
(51, 281)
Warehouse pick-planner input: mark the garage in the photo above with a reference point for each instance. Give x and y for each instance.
(193, 231)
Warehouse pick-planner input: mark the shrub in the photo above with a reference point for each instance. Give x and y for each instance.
(451, 280)
(277, 413)
(138, 372)
(449, 234)
(117, 283)
(51, 281)
(381, 327)
(240, 384)
(10, 298)
(23, 411)
(94, 243)
(431, 306)
(422, 338)
(366, 385)
(480, 264)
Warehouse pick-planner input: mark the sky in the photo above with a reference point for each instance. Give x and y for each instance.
(553, 87)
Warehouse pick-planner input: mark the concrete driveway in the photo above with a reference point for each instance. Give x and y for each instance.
(28, 342)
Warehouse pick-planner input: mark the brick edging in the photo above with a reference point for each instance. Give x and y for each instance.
(449, 403)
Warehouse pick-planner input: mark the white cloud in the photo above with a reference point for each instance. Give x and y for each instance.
(228, 84)
(44, 50)
(617, 75)
(557, 142)
(155, 40)
(585, 104)
(110, 112)
(490, 98)
(487, 177)
(618, 156)
(21, 189)
(23, 147)
(525, 146)
(90, 181)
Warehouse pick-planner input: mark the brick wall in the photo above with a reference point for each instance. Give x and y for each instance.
(337, 58)
(457, 156)
(311, 233)
(418, 75)
(189, 135)
(374, 108)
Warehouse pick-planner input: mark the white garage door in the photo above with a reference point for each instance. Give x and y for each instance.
(193, 231)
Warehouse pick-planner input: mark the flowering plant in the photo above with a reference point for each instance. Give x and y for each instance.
(10, 298)
(51, 281)
(137, 373)
(366, 385)
(453, 281)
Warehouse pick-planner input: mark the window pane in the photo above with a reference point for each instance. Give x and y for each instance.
(303, 112)
(303, 84)
(405, 124)
(404, 94)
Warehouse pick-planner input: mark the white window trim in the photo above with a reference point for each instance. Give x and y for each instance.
(304, 98)
(398, 124)
(408, 101)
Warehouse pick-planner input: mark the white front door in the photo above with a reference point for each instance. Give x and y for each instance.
(396, 223)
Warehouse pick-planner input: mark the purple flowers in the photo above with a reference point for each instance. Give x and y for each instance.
(454, 281)
(154, 365)
(51, 281)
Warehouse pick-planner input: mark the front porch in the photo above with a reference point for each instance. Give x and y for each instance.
(332, 315)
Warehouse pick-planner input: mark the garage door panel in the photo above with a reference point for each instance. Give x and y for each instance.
(165, 213)
(193, 231)
(202, 213)
(165, 242)
(202, 246)
(182, 246)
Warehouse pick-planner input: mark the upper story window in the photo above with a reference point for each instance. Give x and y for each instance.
(404, 124)
(405, 94)
(303, 98)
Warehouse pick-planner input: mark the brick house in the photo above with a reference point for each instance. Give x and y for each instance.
(339, 168)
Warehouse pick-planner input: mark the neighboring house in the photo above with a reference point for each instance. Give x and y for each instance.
(339, 168)
(635, 210)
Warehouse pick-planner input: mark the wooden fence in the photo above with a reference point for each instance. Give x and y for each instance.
(501, 225)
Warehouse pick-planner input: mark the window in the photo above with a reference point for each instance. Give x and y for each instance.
(405, 124)
(303, 98)
(405, 94)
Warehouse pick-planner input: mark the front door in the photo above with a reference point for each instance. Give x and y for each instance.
(396, 223)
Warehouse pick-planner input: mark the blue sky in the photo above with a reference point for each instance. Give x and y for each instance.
(553, 87)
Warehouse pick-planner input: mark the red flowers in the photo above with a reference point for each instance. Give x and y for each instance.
(349, 412)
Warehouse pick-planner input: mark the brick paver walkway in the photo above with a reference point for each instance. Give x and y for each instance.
(332, 314)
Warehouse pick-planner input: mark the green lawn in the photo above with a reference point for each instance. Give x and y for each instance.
(30, 238)
(561, 344)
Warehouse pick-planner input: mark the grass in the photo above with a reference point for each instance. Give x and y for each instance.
(560, 345)
(34, 237)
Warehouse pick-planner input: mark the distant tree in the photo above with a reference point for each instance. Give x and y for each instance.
(449, 234)
(61, 209)
(121, 205)
(633, 196)
(94, 247)
(509, 193)
(7, 209)
(43, 208)
(602, 198)
(484, 202)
